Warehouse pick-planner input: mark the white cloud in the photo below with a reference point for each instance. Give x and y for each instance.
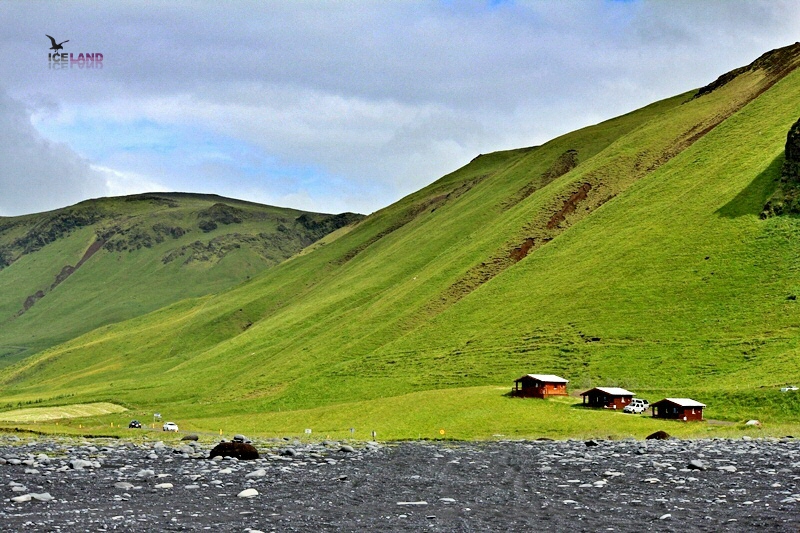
(124, 183)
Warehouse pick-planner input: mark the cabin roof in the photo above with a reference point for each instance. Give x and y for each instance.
(549, 378)
(683, 402)
(611, 391)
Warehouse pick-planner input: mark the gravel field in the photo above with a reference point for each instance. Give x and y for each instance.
(56, 484)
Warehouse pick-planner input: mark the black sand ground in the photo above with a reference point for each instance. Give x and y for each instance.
(733, 485)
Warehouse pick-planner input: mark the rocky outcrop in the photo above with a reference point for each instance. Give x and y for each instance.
(790, 173)
(786, 200)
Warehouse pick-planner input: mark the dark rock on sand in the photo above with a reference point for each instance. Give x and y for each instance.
(240, 450)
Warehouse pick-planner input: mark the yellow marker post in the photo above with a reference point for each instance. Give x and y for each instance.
(220, 432)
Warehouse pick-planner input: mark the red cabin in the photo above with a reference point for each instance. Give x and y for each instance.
(539, 386)
(684, 409)
(607, 397)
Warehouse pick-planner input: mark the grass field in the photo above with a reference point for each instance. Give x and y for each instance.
(46, 414)
(645, 265)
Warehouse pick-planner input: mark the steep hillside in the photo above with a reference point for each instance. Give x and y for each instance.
(68, 271)
(628, 253)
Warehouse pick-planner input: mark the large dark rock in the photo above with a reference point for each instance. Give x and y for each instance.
(240, 450)
(791, 165)
(658, 435)
(786, 199)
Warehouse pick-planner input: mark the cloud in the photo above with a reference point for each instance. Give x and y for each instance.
(352, 105)
(37, 174)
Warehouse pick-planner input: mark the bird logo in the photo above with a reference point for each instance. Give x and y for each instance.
(56, 46)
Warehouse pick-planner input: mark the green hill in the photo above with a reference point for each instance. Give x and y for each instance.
(66, 272)
(629, 253)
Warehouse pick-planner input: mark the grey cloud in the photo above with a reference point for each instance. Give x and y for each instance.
(36, 174)
(394, 93)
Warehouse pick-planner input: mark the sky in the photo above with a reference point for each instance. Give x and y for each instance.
(333, 106)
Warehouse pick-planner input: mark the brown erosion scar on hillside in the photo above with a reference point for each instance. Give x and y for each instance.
(594, 191)
(66, 272)
(563, 164)
(569, 206)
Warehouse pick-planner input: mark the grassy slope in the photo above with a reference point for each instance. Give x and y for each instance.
(340, 335)
(112, 286)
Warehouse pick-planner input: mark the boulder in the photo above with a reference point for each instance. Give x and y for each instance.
(190, 436)
(658, 435)
(239, 450)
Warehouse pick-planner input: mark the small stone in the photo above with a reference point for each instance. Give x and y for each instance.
(248, 493)
(42, 497)
(124, 485)
(421, 502)
(658, 435)
(591, 443)
(21, 499)
(190, 436)
(665, 516)
(79, 464)
(697, 464)
(727, 468)
(164, 486)
(752, 423)
(256, 473)
(347, 448)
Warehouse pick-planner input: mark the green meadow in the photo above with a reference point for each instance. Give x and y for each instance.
(631, 253)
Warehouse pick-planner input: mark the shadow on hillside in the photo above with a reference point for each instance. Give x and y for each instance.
(751, 200)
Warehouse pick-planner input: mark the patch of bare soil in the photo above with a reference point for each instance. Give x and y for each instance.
(66, 272)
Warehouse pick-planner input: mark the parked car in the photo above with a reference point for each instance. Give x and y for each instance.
(135, 424)
(170, 426)
(637, 406)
